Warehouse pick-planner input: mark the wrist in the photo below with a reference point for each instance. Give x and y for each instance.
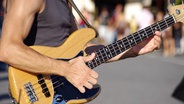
(60, 67)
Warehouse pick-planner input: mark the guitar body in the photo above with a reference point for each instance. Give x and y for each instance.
(30, 88)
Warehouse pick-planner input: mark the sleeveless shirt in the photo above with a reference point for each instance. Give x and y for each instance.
(53, 25)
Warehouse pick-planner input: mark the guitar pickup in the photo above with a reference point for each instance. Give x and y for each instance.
(43, 85)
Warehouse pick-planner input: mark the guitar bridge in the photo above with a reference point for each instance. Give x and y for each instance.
(30, 92)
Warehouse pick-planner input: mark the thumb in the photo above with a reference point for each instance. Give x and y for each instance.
(89, 58)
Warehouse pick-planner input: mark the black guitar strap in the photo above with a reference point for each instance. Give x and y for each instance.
(82, 16)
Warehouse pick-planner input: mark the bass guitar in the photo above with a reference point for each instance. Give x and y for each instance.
(29, 88)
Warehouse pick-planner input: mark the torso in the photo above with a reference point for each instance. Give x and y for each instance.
(53, 25)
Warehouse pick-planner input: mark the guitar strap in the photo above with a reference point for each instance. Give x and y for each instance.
(82, 16)
(5, 10)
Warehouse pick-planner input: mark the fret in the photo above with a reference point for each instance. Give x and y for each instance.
(102, 56)
(145, 32)
(121, 45)
(103, 49)
(154, 27)
(110, 47)
(126, 43)
(138, 39)
(131, 40)
(114, 50)
(117, 48)
(108, 52)
(134, 39)
(149, 31)
(173, 20)
(113, 47)
(159, 26)
(90, 64)
(142, 35)
(94, 62)
(152, 30)
(139, 35)
(170, 20)
(93, 65)
(99, 59)
(120, 50)
(162, 25)
(97, 62)
(166, 22)
(98, 56)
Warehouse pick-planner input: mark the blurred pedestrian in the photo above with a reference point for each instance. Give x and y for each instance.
(103, 24)
(168, 41)
(182, 41)
(145, 18)
(177, 35)
(133, 24)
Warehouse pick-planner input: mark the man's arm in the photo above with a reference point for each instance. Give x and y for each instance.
(16, 26)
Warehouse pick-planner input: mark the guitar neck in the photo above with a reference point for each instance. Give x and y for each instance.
(114, 49)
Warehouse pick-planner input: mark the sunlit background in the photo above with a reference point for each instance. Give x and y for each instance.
(116, 19)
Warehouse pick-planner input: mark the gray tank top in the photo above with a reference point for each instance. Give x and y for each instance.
(53, 25)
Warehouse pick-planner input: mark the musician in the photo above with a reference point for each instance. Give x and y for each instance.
(49, 23)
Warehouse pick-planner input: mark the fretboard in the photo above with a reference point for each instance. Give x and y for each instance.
(114, 49)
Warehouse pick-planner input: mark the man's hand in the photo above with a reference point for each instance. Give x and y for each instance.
(80, 75)
(149, 45)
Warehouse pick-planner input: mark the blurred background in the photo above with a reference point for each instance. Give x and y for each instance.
(155, 78)
(116, 19)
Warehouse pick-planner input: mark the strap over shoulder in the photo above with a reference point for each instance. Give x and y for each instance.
(4, 6)
(72, 4)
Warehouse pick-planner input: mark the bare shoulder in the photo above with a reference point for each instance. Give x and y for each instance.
(25, 5)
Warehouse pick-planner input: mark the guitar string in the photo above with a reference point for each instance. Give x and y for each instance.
(97, 61)
(63, 82)
(133, 37)
(38, 94)
(50, 86)
(115, 47)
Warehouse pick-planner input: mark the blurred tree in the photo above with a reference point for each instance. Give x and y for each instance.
(176, 2)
